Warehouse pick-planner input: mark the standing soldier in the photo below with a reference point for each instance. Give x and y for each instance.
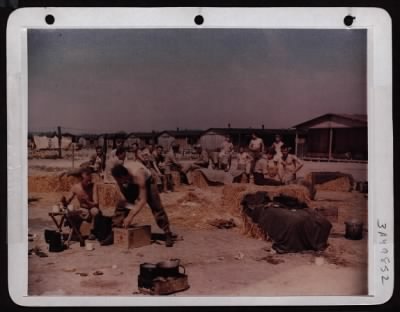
(256, 147)
(277, 145)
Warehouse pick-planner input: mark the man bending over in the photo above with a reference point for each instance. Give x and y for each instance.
(138, 187)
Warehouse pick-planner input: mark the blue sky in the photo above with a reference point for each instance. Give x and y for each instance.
(143, 79)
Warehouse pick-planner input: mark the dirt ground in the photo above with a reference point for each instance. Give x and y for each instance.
(219, 262)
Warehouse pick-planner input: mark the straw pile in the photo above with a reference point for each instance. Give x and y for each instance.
(50, 183)
(251, 229)
(192, 198)
(108, 195)
(234, 193)
(195, 208)
(198, 179)
(54, 183)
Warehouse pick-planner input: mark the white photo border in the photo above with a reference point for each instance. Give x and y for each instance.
(380, 135)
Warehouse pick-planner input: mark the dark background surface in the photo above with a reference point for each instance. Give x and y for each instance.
(7, 6)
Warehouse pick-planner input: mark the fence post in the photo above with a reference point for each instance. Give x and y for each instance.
(73, 155)
(59, 141)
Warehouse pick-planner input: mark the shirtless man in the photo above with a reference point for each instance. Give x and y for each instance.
(98, 160)
(259, 170)
(85, 192)
(256, 144)
(119, 143)
(136, 153)
(150, 163)
(256, 147)
(225, 156)
(244, 161)
(271, 174)
(137, 186)
(277, 145)
(289, 165)
(158, 156)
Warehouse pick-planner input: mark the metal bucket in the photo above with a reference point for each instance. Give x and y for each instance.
(354, 230)
(54, 239)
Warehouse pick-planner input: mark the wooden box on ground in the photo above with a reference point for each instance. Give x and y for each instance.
(176, 178)
(132, 237)
(331, 213)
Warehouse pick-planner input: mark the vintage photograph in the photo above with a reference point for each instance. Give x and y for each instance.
(197, 162)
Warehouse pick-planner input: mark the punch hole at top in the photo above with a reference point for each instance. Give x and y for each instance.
(199, 20)
(348, 20)
(49, 19)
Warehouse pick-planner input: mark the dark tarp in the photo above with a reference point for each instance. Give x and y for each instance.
(291, 229)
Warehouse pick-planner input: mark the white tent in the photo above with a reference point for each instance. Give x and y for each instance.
(41, 142)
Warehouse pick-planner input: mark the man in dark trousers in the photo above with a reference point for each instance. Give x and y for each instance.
(137, 186)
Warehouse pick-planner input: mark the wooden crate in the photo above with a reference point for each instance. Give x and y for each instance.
(132, 237)
(176, 178)
(166, 286)
(170, 285)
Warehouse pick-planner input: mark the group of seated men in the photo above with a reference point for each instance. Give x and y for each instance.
(141, 180)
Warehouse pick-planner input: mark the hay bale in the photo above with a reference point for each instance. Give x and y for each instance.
(198, 179)
(54, 183)
(234, 193)
(108, 195)
(251, 229)
(50, 183)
